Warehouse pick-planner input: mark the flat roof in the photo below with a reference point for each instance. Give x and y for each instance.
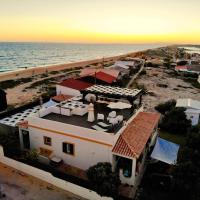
(81, 121)
(12, 120)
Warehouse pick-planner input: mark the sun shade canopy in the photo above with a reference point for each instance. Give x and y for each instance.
(165, 151)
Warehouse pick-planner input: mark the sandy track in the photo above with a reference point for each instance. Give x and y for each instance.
(18, 186)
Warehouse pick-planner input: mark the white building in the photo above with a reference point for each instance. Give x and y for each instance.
(192, 109)
(71, 87)
(63, 132)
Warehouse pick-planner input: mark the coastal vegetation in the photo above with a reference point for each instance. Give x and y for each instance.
(105, 181)
(13, 83)
(174, 119)
(187, 170)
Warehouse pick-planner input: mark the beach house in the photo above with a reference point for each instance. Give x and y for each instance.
(192, 109)
(71, 87)
(105, 124)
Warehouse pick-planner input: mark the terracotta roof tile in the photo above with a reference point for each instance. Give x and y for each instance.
(61, 97)
(134, 138)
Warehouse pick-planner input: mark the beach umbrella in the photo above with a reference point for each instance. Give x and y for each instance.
(119, 105)
(90, 97)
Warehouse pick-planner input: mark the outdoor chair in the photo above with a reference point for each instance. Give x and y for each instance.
(100, 117)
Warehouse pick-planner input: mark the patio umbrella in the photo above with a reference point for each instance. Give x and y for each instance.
(119, 105)
(90, 97)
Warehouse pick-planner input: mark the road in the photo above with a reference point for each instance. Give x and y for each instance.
(19, 186)
(136, 75)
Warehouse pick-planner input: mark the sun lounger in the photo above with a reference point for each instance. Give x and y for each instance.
(103, 125)
(98, 128)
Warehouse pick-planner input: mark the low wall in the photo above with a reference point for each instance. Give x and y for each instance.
(49, 178)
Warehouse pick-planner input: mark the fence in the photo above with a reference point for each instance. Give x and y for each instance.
(49, 178)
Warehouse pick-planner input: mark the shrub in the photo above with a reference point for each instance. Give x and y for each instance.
(187, 173)
(175, 121)
(32, 155)
(165, 107)
(143, 72)
(104, 180)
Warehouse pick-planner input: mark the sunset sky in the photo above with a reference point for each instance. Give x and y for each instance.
(100, 21)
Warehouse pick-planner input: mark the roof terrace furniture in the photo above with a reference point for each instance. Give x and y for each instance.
(120, 118)
(112, 114)
(103, 125)
(98, 128)
(113, 121)
(100, 116)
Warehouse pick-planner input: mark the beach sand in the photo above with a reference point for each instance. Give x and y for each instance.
(23, 73)
(19, 95)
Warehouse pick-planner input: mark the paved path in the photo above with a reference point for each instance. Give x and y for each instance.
(136, 75)
(19, 186)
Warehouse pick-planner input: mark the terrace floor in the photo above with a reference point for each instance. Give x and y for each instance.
(82, 120)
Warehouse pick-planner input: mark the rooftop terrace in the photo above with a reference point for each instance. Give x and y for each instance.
(100, 108)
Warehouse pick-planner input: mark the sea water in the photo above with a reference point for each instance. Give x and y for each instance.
(15, 56)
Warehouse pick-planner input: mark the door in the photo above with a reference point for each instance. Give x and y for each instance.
(26, 139)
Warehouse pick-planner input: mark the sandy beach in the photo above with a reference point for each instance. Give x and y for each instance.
(23, 73)
(25, 92)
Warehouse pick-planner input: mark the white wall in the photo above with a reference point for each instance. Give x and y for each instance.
(193, 116)
(49, 178)
(87, 153)
(66, 91)
(128, 180)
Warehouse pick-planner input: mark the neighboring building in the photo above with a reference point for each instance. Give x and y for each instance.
(181, 68)
(192, 109)
(71, 87)
(92, 71)
(122, 138)
(100, 77)
(194, 69)
(3, 100)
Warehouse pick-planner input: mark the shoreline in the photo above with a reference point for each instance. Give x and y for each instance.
(24, 73)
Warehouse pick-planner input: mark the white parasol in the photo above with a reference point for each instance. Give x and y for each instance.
(119, 105)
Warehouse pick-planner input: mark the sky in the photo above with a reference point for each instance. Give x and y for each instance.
(100, 21)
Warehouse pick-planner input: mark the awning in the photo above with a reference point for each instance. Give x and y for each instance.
(165, 151)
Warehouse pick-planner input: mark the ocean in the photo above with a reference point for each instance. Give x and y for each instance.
(14, 56)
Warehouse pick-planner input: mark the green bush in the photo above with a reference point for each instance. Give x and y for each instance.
(175, 121)
(32, 155)
(165, 107)
(104, 180)
(187, 170)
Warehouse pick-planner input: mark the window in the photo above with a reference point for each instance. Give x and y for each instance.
(68, 148)
(47, 140)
